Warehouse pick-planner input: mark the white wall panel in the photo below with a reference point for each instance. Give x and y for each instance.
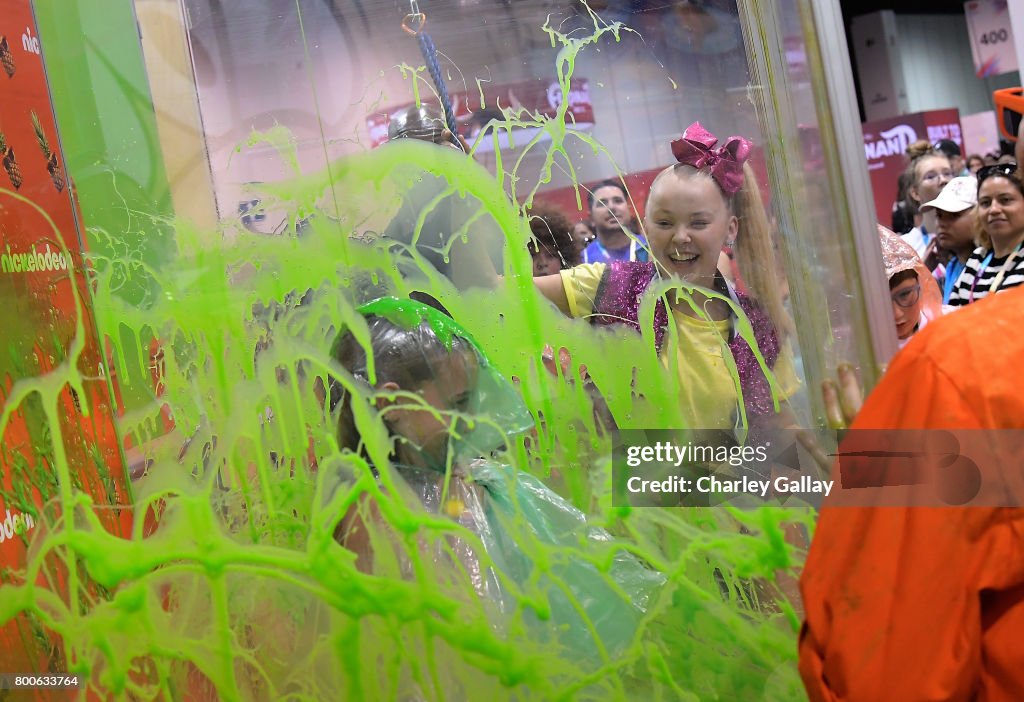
(937, 64)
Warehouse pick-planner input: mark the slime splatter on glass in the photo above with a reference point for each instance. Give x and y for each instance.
(232, 585)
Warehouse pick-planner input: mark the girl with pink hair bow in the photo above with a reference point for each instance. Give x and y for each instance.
(707, 200)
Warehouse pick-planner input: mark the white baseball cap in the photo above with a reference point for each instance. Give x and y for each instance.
(959, 194)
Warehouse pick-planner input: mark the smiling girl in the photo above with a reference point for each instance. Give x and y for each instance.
(696, 207)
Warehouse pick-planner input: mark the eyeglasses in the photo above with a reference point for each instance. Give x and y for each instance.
(907, 297)
(996, 169)
(935, 175)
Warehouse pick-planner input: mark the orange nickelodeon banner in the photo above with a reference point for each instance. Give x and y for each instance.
(56, 415)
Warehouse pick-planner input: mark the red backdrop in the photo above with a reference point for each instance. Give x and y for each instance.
(40, 271)
(886, 140)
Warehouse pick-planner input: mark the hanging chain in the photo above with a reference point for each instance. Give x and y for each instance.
(414, 24)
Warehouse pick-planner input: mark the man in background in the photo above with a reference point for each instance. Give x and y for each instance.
(613, 221)
(952, 151)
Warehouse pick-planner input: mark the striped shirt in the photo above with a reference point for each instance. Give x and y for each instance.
(981, 280)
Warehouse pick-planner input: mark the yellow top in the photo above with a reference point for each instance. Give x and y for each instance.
(708, 390)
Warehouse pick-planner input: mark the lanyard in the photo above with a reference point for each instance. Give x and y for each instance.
(1002, 271)
(953, 271)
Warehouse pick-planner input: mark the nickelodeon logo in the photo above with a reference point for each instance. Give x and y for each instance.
(32, 261)
(15, 525)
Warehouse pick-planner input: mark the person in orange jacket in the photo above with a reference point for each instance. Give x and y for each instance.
(927, 603)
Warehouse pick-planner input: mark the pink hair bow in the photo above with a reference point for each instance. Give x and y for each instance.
(725, 164)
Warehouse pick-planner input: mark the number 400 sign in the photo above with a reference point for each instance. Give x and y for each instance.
(988, 22)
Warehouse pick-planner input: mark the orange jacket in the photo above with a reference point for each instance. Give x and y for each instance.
(927, 603)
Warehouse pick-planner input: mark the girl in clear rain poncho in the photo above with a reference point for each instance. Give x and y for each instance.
(446, 410)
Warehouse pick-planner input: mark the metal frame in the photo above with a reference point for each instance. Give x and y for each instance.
(831, 63)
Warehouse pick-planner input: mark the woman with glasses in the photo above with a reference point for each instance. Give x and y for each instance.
(916, 299)
(998, 263)
(927, 173)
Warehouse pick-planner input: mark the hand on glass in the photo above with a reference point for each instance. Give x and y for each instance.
(564, 362)
(844, 399)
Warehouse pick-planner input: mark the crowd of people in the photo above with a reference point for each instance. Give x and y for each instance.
(969, 228)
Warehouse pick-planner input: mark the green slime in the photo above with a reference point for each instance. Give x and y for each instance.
(242, 592)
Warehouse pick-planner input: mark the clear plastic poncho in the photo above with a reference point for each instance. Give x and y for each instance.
(590, 594)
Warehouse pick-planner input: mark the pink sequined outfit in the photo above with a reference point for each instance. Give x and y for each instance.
(618, 302)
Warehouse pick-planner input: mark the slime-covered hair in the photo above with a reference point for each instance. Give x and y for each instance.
(408, 340)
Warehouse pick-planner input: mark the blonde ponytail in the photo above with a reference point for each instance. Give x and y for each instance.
(755, 254)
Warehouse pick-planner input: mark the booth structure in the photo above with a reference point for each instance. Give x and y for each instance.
(168, 163)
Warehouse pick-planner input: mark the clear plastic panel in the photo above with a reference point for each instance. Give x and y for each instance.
(246, 187)
(802, 95)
